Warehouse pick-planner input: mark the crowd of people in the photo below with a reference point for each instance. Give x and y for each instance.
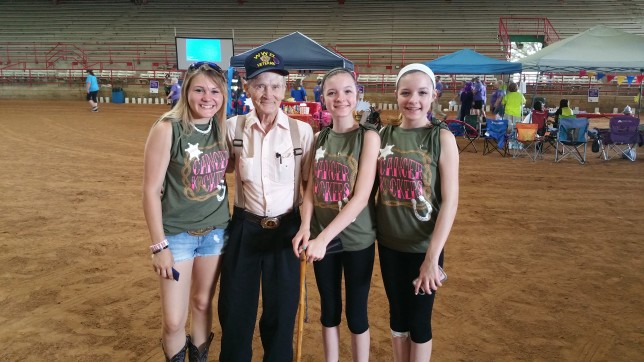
(358, 188)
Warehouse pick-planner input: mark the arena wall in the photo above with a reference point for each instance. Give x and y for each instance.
(606, 103)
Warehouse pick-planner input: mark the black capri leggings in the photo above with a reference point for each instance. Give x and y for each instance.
(92, 96)
(407, 312)
(358, 267)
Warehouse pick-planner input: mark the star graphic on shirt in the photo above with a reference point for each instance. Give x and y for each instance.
(194, 151)
(319, 153)
(384, 152)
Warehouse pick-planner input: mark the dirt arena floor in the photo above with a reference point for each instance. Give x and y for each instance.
(544, 260)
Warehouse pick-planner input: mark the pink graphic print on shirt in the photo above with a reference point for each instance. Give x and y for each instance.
(401, 177)
(331, 181)
(205, 176)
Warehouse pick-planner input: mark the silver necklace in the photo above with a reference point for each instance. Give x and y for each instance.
(206, 131)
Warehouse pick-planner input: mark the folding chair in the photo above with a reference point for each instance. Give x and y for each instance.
(462, 129)
(496, 136)
(539, 118)
(621, 138)
(472, 130)
(529, 140)
(571, 139)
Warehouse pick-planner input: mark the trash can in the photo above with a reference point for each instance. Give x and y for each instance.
(118, 96)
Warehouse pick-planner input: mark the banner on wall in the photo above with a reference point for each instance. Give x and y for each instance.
(154, 87)
(593, 95)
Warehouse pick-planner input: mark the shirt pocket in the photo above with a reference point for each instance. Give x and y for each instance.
(283, 170)
(246, 170)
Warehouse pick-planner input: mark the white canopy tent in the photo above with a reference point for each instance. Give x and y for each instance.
(600, 49)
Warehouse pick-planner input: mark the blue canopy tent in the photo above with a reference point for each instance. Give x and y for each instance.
(299, 52)
(467, 61)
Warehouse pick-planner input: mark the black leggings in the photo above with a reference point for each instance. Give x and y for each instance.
(358, 267)
(407, 312)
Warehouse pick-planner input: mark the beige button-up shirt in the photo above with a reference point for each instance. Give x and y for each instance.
(266, 165)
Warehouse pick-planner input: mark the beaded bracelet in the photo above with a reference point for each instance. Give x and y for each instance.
(159, 246)
(160, 250)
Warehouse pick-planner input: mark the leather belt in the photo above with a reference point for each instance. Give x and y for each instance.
(268, 222)
(200, 232)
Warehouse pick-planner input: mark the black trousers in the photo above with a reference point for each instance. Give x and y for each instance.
(255, 255)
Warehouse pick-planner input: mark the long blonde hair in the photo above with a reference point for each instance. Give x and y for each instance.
(181, 111)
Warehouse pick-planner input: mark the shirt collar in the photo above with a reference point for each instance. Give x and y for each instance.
(252, 119)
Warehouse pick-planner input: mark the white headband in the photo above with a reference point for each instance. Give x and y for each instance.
(419, 67)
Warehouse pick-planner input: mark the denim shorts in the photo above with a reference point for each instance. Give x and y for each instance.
(185, 246)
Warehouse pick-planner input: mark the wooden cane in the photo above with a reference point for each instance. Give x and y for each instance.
(300, 314)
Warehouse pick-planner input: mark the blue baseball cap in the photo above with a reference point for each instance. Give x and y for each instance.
(263, 60)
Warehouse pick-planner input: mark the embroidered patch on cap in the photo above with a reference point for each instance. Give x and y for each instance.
(263, 60)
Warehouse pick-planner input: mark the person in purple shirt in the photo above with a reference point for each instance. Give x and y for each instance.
(480, 93)
(465, 97)
(175, 93)
(496, 98)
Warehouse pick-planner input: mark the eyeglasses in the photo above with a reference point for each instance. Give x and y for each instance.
(196, 65)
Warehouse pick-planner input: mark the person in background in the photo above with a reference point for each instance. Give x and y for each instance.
(437, 109)
(272, 158)
(298, 93)
(343, 219)
(186, 209)
(317, 91)
(175, 93)
(513, 103)
(563, 111)
(414, 221)
(91, 86)
(497, 98)
(480, 96)
(167, 86)
(240, 106)
(539, 116)
(465, 97)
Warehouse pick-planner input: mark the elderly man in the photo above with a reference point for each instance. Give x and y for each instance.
(271, 159)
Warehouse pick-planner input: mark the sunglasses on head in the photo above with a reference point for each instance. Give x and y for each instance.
(196, 65)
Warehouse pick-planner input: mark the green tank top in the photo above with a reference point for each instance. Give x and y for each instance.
(409, 193)
(335, 169)
(195, 194)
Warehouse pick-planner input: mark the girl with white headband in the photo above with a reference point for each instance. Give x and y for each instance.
(415, 209)
(338, 214)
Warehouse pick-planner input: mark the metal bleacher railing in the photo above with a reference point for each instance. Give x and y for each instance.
(126, 41)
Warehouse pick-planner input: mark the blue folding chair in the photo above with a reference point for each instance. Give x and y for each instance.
(572, 139)
(496, 136)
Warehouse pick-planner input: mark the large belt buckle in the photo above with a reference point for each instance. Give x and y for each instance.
(270, 222)
(200, 232)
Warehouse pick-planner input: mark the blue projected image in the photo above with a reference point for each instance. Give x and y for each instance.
(203, 49)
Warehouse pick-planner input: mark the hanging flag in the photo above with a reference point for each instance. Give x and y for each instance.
(582, 73)
(591, 74)
(620, 79)
(630, 79)
(639, 78)
(609, 77)
(600, 76)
